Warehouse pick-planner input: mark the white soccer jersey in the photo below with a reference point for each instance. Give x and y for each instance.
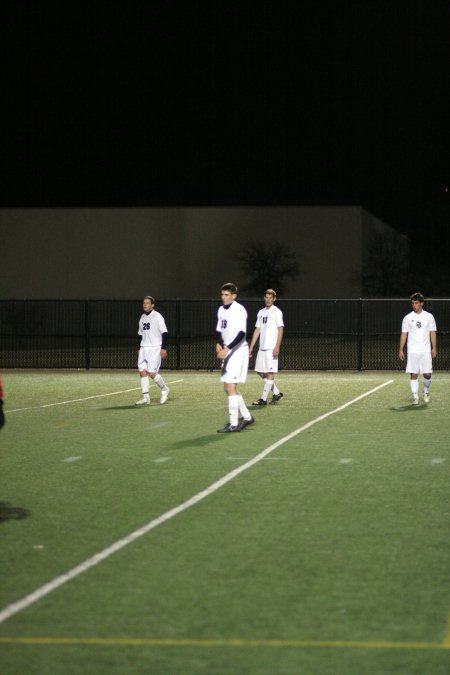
(418, 327)
(151, 328)
(230, 321)
(268, 320)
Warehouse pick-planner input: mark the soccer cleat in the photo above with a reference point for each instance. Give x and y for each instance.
(415, 401)
(245, 423)
(260, 401)
(143, 401)
(276, 398)
(164, 395)
(224, 429)
(426, 397)
(228, 429)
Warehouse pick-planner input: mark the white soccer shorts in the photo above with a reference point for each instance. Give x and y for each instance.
(235, 366)
(149, 359)
(419, 362)
(265, 362)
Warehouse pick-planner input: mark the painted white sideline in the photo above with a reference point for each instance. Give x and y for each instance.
(44, 590)
(86, 398)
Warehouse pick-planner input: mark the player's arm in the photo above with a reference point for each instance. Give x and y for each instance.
(164, 337)
(433, 340)
(226, 349)
(254, 340)
(276, 349)
(219, 342)
(401, 349)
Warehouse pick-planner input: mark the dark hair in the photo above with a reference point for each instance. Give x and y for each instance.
(229, 286)
(417, 296)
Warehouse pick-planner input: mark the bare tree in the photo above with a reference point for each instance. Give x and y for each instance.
(386, 271)
(267, 265)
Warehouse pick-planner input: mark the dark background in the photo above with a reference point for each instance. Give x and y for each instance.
(324, 103)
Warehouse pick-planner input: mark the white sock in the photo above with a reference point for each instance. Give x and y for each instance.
(144, 386)
(426, 384)
(243, 408)
(268, 384)
(414, 387)
(159, 381)
(233, 409)
(275, 389)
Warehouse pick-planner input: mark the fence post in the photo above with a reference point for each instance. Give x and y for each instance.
(360, 334)
(178, 329)
(87, 353)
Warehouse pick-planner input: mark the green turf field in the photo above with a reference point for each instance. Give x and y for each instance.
(138, 540)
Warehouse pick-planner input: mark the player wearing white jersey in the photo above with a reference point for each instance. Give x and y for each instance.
(232, 349)
(152, 348)
(269, 329)
(419, 336)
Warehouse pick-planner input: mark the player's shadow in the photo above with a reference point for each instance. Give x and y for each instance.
(197, 442)
(408, 408)
(122, 407)
(8, 512)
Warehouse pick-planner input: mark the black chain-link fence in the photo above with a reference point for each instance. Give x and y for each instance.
(325, 334)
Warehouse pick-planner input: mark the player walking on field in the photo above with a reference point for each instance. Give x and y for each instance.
(419, 336)
(232, 349)
(269, 329)
(152, 348)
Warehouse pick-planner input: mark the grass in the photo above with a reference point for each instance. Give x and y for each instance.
(329, 555)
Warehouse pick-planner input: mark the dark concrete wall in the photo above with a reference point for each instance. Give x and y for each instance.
(173, 252)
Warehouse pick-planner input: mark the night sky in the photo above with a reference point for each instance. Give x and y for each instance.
(229, 104)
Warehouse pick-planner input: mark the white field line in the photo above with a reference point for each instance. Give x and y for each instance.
(86, 398)
(47, 588)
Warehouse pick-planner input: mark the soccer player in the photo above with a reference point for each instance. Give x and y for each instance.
(152, 348)
(269, 329)
(419, 334)
(232, 349)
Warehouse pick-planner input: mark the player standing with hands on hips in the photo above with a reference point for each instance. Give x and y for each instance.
(419, 334)
(152, 348)
(232, 349)
(269, 329)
